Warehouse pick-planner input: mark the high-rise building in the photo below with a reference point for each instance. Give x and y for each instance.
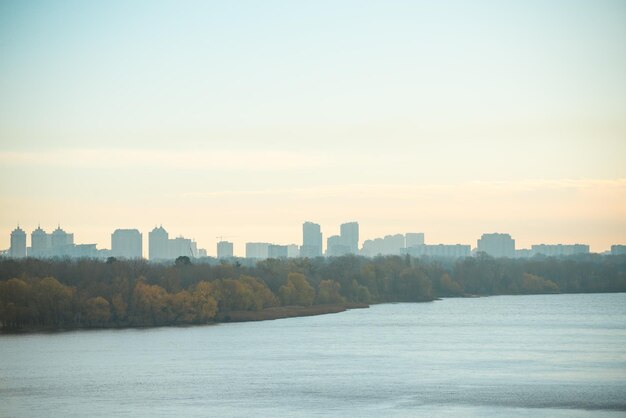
(350, 236)
(277, 251)
(293, 251)
(556, 250)
(373, 247)
(18, 243)
(161, 247)
(225, 249)
(440, 250)
(180, 246)
(158, 240)
(414, 238)
(257, 250)
(311, 240)
(497, 245)
(126, 243)
(618, 249)
(393, 244)
(60, 240)
(40, 243)
(336, 246)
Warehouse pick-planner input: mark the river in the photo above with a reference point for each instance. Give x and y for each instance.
(544, 355)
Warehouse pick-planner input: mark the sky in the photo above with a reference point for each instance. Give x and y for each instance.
(243, 119)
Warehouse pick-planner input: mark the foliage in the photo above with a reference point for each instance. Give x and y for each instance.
(64, 293)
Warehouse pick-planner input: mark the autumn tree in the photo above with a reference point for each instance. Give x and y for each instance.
(329, 293)
(297, 291)
(97, 311)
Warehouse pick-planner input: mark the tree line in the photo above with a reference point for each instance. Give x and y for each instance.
(65, 293)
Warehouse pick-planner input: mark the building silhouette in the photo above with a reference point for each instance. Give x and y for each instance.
(126, 243)
(440, 250)
(414, 238)
(336, 246)
(557, 250)
(311, 240)
(257, 250)
(618, 249)
(161, 247)
(158, 240)
(40, 243)
(497, 245)
(225, 249)
(350, 236)
(18, 243)
(62, 242)
(277, 251)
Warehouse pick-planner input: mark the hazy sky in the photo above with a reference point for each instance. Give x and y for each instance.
(245, 118)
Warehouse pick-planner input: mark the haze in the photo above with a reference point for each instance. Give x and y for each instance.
(244, 119)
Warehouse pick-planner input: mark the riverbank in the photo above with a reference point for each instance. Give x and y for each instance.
(286, 312)
(233, 316)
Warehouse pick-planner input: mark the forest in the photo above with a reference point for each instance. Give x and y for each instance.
(38, 294)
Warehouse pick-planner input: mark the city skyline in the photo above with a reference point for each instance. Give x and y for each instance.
(452, 118)
(128, 243)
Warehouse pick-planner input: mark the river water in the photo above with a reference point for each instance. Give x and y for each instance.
(546, 355)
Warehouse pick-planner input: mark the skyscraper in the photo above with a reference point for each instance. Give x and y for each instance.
(158, 240)
(414, 238)
(61, 240)
(18, 243)
(311, 240)
(257, 250)
(40, 243)
(336, 246)
(126, 243)
(497, 245)
(350, 236)
(224, 249)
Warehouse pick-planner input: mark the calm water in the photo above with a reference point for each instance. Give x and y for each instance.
(552, 355)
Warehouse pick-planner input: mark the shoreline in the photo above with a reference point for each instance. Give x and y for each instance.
(281, 312)
(266, 314)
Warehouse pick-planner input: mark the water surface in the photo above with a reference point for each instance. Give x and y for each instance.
(547, 355)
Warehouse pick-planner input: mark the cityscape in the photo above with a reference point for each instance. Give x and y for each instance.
(128, 244)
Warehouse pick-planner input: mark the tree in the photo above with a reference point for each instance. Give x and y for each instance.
(97, 311)
(204, 302)
(149, 303)
(329, 293)
(297, 291)
(182, 260)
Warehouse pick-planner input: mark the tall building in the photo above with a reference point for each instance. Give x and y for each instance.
(158, 240)
(440, 250)
(61, 240)
(350, 236)
(40, 243)
(161, 247)
(257, 250)
(225, 249)
(126, 243)
(414, 238)
(618, 249)
(293, 251)
(277, 251)
(311, 240)
(180, 246)
(393, 244)
(556, 250)
(336, 246)
(18, 243)
(373, 247)
(497, 245)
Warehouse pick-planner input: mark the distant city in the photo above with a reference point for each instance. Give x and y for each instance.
(128, 243)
